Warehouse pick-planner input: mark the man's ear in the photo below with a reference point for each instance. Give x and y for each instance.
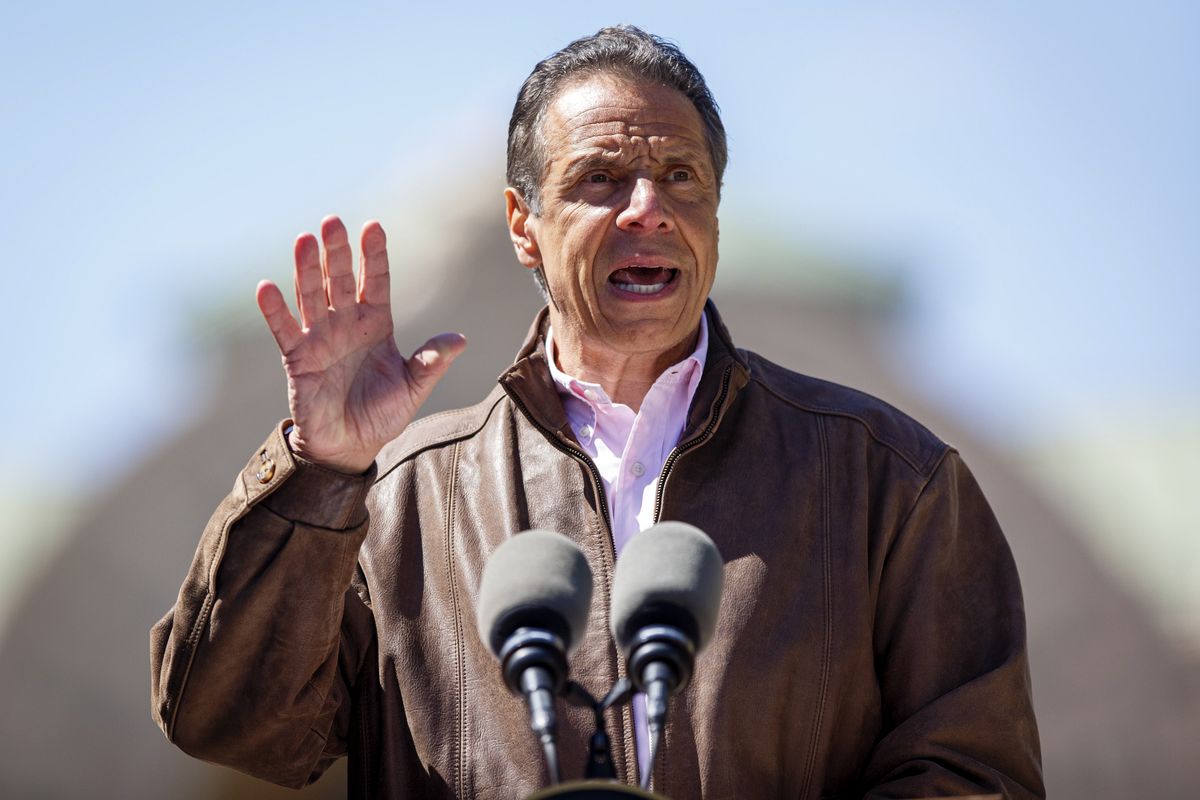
(522, 227)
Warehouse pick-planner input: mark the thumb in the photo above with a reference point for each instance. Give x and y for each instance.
(431, 360)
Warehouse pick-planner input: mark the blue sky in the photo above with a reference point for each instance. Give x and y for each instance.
(1032, 167)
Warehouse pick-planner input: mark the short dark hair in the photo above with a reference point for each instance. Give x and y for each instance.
(622, 50)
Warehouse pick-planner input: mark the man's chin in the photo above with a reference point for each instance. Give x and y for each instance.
(642, 335)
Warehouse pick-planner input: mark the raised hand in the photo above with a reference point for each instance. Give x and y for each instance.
(349, 388)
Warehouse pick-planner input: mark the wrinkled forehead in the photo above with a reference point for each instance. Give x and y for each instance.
(611, 113)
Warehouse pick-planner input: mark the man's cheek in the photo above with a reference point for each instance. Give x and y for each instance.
(576, 213)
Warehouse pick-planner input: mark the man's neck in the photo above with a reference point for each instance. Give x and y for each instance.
(625, 377)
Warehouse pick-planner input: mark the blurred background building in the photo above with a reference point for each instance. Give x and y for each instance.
(984, 213)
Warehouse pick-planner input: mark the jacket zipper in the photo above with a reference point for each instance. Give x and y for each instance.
(688, 445)
(602, 499)
(658, 498)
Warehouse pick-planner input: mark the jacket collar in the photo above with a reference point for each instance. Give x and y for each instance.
(529, 383)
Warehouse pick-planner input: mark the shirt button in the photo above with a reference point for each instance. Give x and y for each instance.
(585, 432)
(638, 469)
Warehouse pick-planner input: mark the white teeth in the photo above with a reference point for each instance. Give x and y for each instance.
(642, 288)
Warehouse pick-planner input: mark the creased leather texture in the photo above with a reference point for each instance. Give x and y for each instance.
(871, 639)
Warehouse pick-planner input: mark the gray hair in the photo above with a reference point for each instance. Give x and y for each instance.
(622, 50)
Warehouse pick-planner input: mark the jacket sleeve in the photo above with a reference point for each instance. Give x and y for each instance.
(255, 664)
(951, 655)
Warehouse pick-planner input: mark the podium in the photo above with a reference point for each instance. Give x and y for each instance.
(592, 790)
(611, 790)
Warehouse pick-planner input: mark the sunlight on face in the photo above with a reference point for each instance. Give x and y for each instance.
(628, 230)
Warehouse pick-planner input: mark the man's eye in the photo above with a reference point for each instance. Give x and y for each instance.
(596, 177)
(681, 175)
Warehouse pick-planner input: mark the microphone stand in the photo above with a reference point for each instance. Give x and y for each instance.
(600, 763)
(660, 659)
(600, 775)
(533, 662)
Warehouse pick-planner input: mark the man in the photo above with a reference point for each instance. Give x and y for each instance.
(871, 636)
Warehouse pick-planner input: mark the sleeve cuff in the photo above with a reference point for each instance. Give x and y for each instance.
(304, 492)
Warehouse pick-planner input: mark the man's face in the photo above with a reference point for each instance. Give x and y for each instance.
(627, 235)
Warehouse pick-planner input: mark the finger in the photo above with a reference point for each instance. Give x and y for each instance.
(337, 263)
(374, 279)
(310, 284)
(431, 360)
(279, 319)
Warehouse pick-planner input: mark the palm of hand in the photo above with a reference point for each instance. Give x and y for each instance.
(349, 388)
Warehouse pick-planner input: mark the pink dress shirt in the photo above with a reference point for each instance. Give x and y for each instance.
(630, 449)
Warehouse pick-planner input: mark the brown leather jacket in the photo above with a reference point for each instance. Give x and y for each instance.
(871, 639)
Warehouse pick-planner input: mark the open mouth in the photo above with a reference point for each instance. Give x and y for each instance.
(643, 280)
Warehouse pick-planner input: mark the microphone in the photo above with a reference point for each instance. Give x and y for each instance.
(665, 598)
(533, 610)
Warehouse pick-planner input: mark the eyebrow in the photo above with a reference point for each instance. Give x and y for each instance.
(591, 161)
(606, 159)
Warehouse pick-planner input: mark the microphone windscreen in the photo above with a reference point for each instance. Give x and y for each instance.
(669, 574)
(536, 579)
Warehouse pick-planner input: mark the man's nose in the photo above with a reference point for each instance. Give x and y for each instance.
(646, 210)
